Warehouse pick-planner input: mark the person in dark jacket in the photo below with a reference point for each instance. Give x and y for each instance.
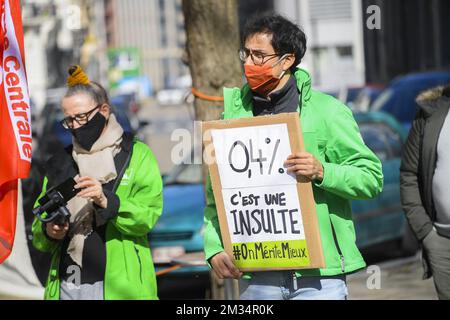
(425, 184)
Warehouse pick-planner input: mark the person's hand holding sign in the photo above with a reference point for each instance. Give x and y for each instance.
(305, 164)
(223, 266)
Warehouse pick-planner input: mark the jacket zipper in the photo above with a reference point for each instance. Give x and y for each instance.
(341, 256)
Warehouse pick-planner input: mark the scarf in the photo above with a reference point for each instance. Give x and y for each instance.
(98, 163)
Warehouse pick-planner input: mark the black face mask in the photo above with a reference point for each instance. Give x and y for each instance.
(90, 132)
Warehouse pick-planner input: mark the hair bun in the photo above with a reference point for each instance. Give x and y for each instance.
(77, 76)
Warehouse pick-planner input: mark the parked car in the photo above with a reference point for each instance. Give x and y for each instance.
(365, 97)
(176, 92)
(171, 97)
(399, 98)
(382, 219)
(376, 221)
(349, 94)
(179, 231)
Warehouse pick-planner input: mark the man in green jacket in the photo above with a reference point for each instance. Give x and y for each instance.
(337, 162)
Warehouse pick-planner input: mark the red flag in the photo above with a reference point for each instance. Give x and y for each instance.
(15, 120)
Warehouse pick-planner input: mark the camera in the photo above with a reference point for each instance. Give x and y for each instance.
(53, 204)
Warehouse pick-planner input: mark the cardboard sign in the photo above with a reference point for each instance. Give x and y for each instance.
(267, 216)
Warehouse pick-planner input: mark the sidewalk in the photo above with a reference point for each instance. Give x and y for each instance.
(401, 279)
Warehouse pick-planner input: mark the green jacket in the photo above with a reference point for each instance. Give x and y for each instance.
(129, 272)
(351, 171)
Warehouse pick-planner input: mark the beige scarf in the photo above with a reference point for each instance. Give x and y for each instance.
(98, 163)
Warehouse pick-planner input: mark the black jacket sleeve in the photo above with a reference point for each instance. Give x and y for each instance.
(411, 198)
(112, 208)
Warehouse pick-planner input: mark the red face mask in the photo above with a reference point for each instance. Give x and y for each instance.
(261, 79)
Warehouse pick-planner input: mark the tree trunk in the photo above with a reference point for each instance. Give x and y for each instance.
(212, 28)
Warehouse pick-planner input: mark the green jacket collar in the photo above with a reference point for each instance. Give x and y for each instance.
(238, 102)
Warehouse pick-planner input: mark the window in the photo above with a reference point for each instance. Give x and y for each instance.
(345, 51)
(375, 140)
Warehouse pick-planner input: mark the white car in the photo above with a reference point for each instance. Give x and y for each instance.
(171, 96)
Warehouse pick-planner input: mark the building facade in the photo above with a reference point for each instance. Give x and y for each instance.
(156, 29)
(412, 38)
(335, 53)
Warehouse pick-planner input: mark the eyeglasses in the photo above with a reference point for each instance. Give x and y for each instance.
(257, 57)
(81, 118)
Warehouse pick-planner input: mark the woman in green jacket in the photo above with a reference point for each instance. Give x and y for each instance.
(337, 162)
(102, 251)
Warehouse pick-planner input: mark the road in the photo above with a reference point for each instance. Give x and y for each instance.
(400, 278)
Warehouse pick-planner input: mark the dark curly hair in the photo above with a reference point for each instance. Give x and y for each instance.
(287, 37)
